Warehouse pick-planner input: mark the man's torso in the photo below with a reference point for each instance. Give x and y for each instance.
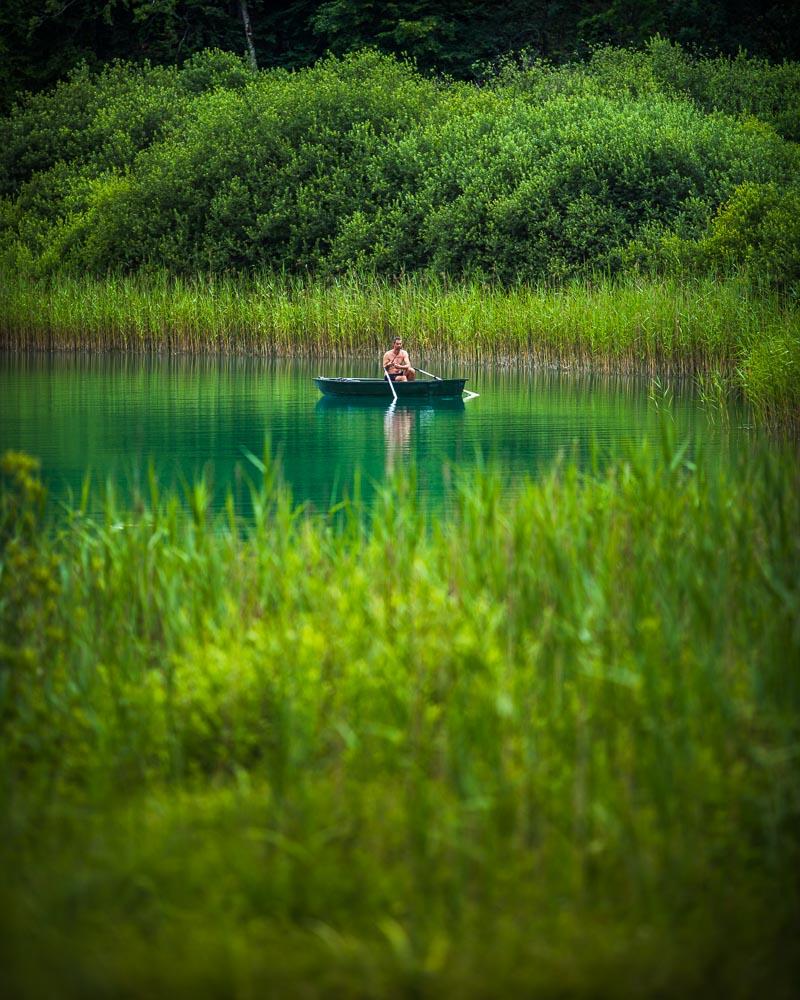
(396, 361)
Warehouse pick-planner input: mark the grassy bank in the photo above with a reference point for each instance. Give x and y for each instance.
(663, 326)
(552, 746)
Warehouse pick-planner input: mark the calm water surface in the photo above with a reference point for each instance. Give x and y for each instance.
(112, 415)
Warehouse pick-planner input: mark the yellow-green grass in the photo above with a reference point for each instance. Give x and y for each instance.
(548, 747)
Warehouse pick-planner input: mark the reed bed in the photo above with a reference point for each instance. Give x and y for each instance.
(649, 325)
(548, 748)
(748, 336)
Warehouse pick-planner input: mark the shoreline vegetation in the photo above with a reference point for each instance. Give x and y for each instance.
(634, 211)
(740, 337)
(221, 765)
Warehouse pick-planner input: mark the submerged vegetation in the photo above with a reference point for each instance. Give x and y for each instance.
(222, 761)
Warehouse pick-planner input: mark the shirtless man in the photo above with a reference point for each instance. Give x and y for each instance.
(397, 364)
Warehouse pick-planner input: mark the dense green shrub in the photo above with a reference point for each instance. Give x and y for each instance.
(100, 121)
(361, 163)
(756, 230)
(758, 226)
(741, 86)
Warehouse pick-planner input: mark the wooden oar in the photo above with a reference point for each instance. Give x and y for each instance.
(391, 384)
(470, 394)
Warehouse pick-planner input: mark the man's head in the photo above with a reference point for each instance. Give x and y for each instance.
(397, 343)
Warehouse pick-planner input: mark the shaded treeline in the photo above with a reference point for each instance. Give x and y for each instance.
(223, 762)
(41, 43)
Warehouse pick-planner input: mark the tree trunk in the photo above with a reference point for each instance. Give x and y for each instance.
(248, 34)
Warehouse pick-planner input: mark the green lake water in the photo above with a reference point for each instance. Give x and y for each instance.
(112, 415)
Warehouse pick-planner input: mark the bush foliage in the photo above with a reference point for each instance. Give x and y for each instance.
(362, 163)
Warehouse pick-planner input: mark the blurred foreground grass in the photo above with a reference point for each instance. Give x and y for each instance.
(546, 746)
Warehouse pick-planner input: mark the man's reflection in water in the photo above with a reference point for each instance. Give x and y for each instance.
(397, 426)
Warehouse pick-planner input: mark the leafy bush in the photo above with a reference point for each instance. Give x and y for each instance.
(742, 85)
(100, 121)
(757, 230)
(758, 226)
(360, 163)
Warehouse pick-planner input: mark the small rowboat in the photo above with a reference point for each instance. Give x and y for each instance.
(360, 388)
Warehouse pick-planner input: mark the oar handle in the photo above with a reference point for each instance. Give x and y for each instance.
(391, 384)
(438, 379)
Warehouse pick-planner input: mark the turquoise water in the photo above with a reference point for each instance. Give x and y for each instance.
(110, 416)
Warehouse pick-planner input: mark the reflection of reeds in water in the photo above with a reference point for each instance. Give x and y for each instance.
(397, 425)
(716, 393)
(656, 326)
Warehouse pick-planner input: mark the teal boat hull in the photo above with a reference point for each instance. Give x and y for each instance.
(378, 388)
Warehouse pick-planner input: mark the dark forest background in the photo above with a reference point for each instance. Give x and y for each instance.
(41, 43)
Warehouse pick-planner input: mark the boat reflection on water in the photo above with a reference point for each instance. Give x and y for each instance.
(412, 430)
(371, 403)
(397, 424)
